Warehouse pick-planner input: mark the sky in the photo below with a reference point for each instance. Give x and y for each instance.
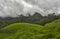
(16, 7)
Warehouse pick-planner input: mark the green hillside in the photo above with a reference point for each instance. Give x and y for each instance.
(51, 30)
(31, 31)
(20, 31)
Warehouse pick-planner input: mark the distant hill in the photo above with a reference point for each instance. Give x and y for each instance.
(31, 31)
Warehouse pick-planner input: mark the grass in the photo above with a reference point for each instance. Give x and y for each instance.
(20, 31)
(31, 31)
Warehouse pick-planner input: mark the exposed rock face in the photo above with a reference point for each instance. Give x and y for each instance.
(17, 7)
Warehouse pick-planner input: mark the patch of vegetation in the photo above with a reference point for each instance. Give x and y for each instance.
(31, 31)
(20, 31)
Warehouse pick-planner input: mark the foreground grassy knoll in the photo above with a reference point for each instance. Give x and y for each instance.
(20, 31)
(31, 31)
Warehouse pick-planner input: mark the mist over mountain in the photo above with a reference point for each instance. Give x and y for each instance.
(17, 7)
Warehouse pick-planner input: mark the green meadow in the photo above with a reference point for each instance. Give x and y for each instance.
(31, 31)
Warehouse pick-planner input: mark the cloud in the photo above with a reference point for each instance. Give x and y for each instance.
(16, 7)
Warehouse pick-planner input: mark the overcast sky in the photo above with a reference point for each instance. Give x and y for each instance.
(16, 7)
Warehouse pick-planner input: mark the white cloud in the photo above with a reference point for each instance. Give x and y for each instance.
(16, 7)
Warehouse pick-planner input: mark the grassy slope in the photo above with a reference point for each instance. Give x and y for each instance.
(31, 31)
(52, 30)
(20, 31)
